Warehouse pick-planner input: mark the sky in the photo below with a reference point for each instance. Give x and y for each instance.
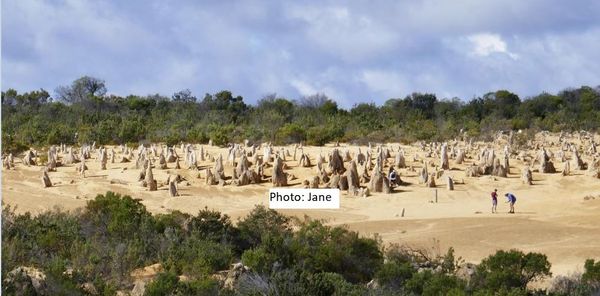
(352, 51)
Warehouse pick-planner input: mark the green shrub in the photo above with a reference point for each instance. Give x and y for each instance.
(290, 133)
(259, 259)
(259, 222)
(197, 257)
(212, 225)
(221, 135)
(316, 247)
(115, 215)
(11, 145)
(510, 270)
(428, 283)
(318, 136)
(592, 271)
(197, 134)
(164, 284)
(394, 274)
(327, 283)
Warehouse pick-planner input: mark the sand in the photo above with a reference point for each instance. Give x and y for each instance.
(551, 216)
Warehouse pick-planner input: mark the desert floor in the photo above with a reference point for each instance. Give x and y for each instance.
(551, 217)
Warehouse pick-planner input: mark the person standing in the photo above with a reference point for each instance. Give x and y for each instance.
(494, 201)
(511, 199)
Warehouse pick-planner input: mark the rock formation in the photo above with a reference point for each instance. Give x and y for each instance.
(546, 166)
(431, 181)
(444, 164)
(334, 181)
(29, 158)
(423, 175)
(279, 178)
(578, 163)
(594, 168)
(360, 157)
(400, 162)
(498, 169)
(460, 156)
(219, 169)
(304, 161)
(352, 176)
(566, 169)
(211, 179)
(336, 163)
(103, 157)
(449, 183)
(46, 180)
(162, 162)
(473, 171)
(173, 188)
(149, 179)
(81, 168)
(526, 176)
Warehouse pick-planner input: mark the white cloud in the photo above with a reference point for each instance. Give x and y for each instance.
(348, 35)
(485, 44)
(303, 87)
(386, 83)
(351, 51)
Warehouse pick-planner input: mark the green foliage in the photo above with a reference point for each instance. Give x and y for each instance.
(316, 248)
(196, 256)
(328, 283)
(592, 271)
(115, 215)
(510, 270)
(394, 274)
(317, 136)
(259, 259)
(290, 133)
(12, 145)
(430, 283)
(220, 135)
(83, 108)
(164, 284)
(114, 235)
(260, 222)
(212, 225)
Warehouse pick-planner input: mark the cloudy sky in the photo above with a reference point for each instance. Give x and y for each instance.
(359, 51)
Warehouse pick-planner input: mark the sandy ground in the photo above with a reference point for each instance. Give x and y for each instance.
(551, 217)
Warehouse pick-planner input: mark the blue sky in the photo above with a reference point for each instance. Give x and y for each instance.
(359, 51)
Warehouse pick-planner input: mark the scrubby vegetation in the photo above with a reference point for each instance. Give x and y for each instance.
(83, 113)
(113, 235)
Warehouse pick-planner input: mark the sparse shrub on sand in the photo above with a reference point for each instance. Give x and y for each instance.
(265, 252)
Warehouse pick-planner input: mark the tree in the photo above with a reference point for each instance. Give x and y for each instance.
(507, 270)
(313, 101)
(424, 103)
(505, 103)
(592, 272)
(184, 96)
(81, 90)
(9, 97)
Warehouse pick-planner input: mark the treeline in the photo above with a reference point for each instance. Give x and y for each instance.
(100, 245)
(83, 113)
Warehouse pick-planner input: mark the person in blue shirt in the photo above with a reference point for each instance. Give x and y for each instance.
(511, 199)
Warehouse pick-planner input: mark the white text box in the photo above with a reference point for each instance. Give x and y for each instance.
(298, 198)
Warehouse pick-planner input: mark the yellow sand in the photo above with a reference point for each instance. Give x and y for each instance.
(551, 217)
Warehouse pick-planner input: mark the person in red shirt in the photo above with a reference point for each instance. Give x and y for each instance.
(494, 200)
